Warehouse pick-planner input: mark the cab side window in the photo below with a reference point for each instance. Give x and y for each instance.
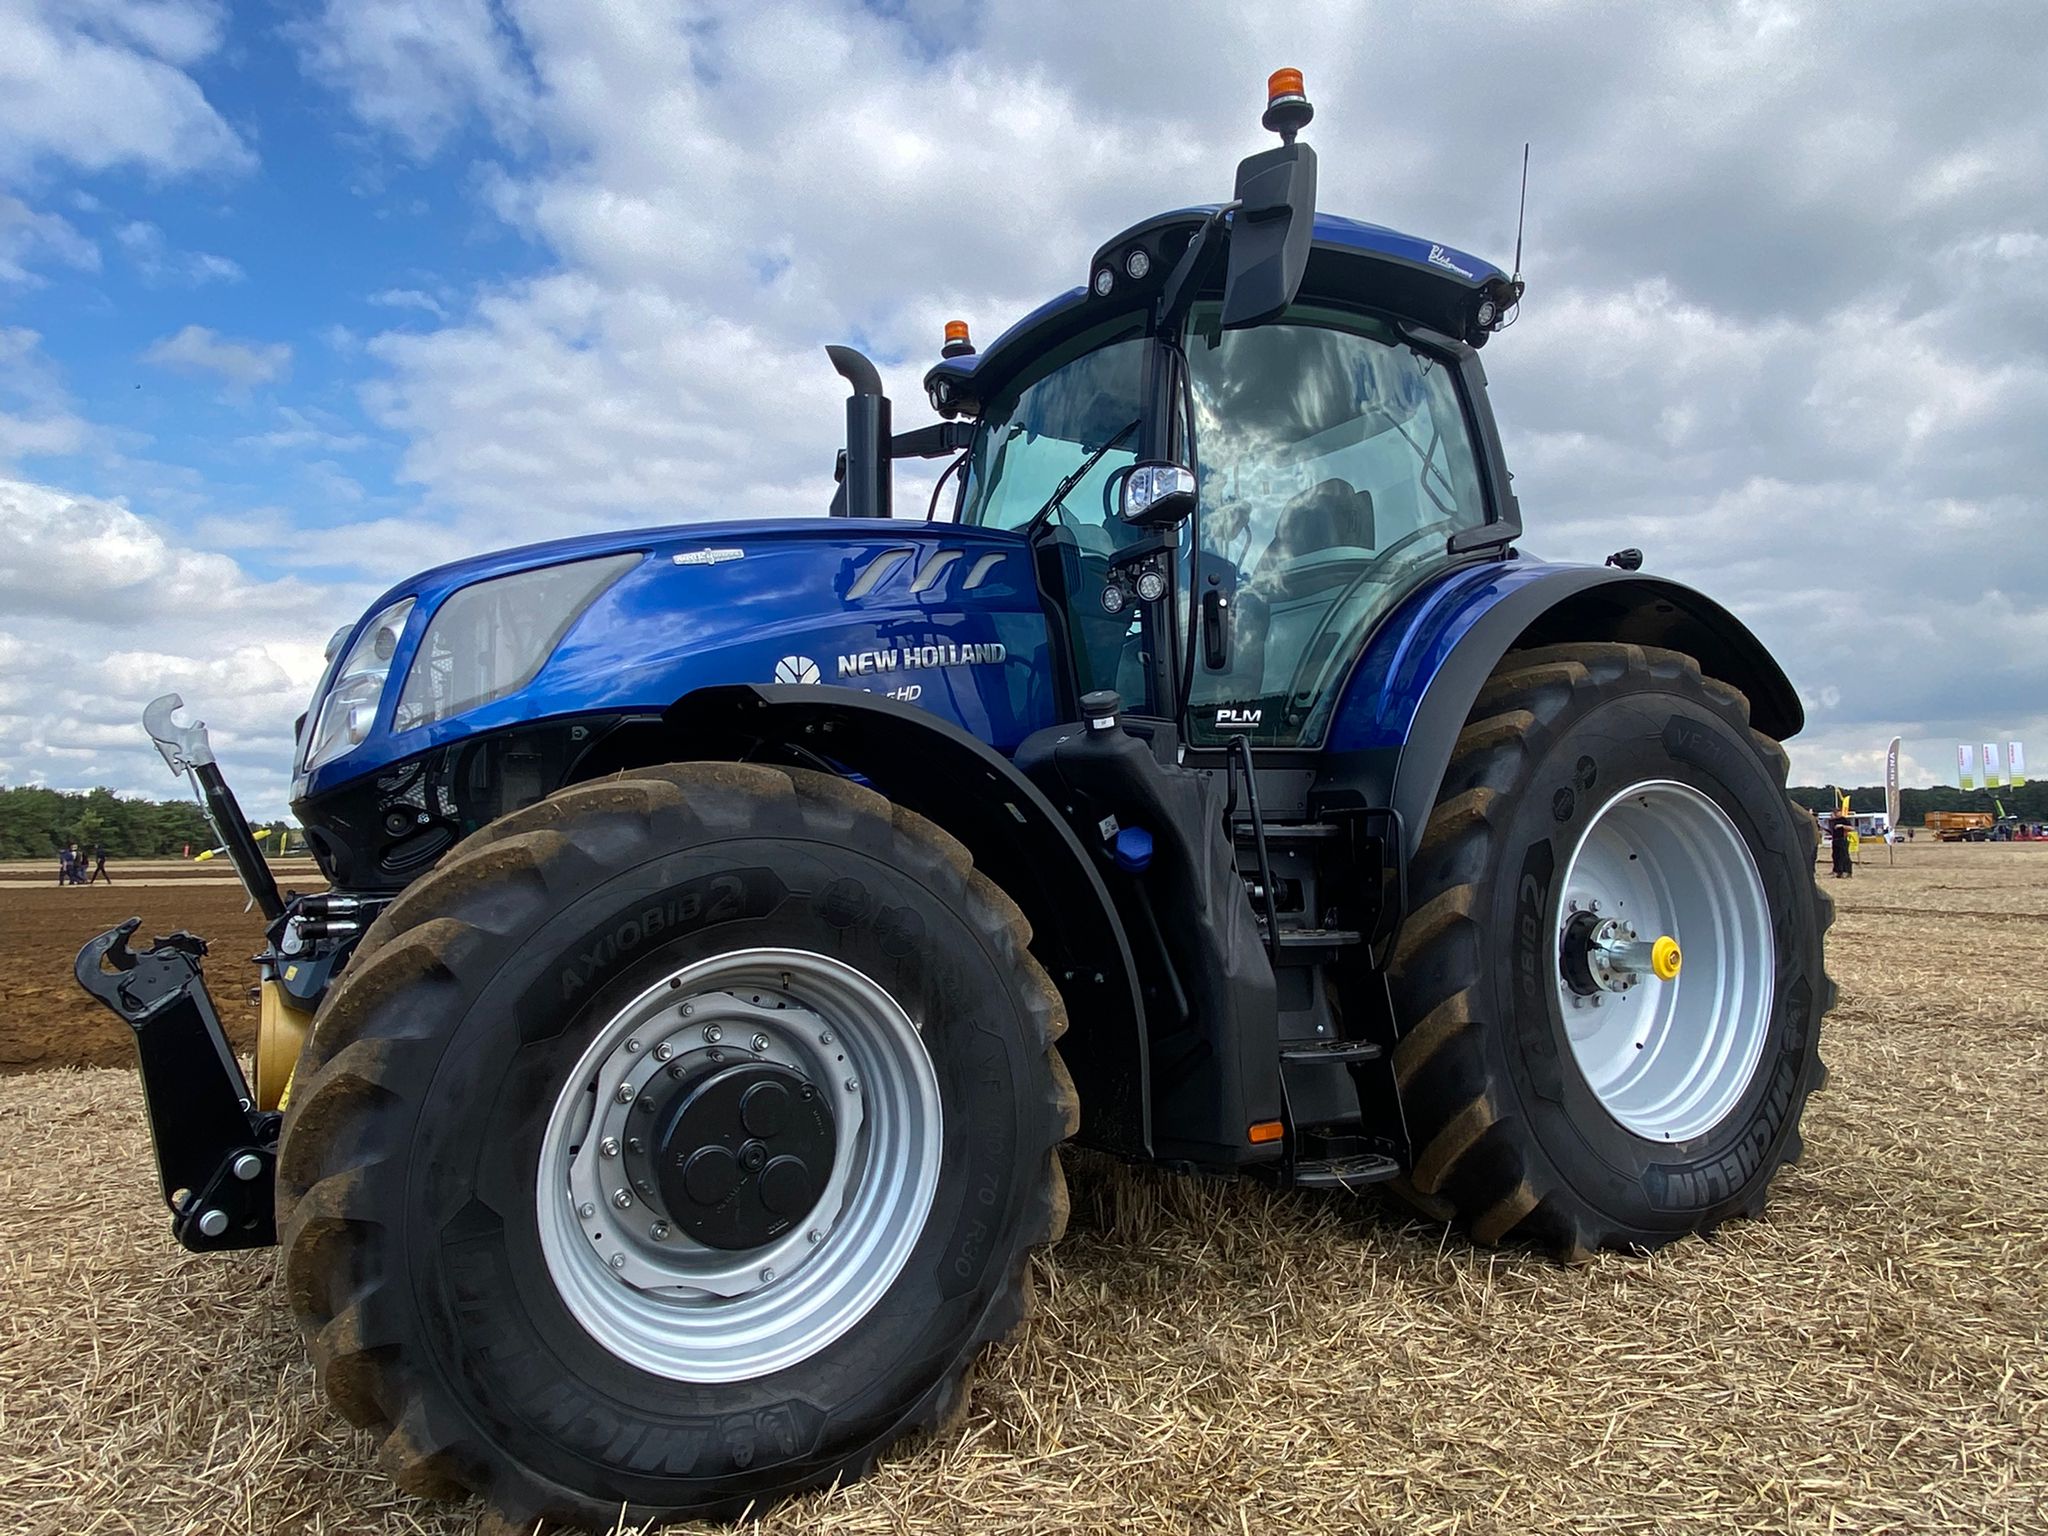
(1335, 464)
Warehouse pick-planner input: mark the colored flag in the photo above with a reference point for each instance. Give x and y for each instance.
(1992, 777)
(1966, 766)
(1891, 783)
(2016, 764)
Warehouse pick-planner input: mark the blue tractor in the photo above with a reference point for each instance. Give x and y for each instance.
(728, 924)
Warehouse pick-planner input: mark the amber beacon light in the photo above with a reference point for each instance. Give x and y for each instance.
(1287, 105)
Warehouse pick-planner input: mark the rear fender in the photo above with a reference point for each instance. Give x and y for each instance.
(1414, 687)
(1018, 839)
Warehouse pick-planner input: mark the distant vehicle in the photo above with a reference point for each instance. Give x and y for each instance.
(1960, 826)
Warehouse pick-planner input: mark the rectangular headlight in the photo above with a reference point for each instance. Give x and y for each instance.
(350, 708)
(489, 640)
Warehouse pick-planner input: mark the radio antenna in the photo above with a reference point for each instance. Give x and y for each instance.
(1521, 209)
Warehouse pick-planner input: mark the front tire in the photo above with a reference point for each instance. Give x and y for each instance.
(1559, 1089)
(543, 1227)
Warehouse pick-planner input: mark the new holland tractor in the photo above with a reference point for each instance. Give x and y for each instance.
(727, 924)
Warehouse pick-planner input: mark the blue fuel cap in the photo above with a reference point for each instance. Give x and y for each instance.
(1132, 849)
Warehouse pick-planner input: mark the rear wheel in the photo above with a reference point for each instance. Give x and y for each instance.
(1611, 982)
(676, 1145)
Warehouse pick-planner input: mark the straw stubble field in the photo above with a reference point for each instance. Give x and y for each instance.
(1873, 1355)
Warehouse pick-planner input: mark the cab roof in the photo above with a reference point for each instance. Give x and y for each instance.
(1350, 262)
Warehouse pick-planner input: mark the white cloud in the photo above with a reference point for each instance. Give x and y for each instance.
(241, 364)
(35, 414)
(409, 298)
(26, 235)
(159, 265)
(100, 84)
(104, 610)
(419, 71)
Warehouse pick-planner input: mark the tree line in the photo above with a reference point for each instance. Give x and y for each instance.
(2029, 802)
(36, 822)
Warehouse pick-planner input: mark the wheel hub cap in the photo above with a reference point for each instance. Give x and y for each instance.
(1666, 960)
(741, 1153)
(739, 1165)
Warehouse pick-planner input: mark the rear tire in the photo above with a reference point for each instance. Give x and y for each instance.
(1544, 1107)
(433, 1231)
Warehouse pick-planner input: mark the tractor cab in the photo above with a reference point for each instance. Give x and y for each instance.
(1309, 387)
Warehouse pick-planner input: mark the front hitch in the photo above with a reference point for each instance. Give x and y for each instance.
(216, 1152)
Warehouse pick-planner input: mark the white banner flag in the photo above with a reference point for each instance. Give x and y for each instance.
(1891, 783)
(2016, 764)
(1966, 766)
(1992, 777)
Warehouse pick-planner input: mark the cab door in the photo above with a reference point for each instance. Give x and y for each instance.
(1336, 463)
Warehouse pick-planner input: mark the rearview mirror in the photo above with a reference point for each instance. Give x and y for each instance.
(1158, 495)
(1270, 234)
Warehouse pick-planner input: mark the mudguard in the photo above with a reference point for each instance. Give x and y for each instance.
(1408, 698)
(1017, 837)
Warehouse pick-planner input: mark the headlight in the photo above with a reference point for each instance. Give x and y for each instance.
(350, 708)
(490, 639)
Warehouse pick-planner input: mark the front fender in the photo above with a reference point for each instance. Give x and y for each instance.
(1017, 837)
(1413, 688)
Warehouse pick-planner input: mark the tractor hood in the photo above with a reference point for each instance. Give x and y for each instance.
(934, 614)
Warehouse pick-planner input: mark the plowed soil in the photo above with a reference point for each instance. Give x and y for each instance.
(1208, 1357)
(46, 1020)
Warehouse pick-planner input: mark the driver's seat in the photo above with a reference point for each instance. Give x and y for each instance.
(1328, 515)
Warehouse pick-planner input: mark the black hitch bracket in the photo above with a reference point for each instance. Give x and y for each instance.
(216, 1152)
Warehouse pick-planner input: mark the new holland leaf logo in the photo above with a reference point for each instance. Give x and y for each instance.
(796, 669)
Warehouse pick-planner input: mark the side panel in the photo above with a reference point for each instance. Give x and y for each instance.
(1017, 838)
(1413, 688)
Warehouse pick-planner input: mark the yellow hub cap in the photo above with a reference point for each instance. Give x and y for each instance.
(1665, 958)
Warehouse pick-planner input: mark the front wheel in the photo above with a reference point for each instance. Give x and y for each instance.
(1611, 983)
(676, 1145)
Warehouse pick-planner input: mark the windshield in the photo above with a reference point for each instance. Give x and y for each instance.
(1085, 407)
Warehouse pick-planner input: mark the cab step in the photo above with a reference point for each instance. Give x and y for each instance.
(1325, 1051)
(1348, 1173)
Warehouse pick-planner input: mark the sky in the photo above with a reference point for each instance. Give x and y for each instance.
(296, 300)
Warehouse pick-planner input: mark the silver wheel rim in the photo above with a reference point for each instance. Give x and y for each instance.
(658, 1299)
(1668, 1059)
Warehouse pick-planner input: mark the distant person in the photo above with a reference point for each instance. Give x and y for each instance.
(1909, 834)
(1844, 868)
(99, 865)
(63, 865)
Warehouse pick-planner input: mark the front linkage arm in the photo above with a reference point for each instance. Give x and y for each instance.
(216, 1152)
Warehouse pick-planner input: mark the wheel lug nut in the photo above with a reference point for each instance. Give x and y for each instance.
(676, 1071)
(622, 1198)
(715, 1054)
(713, 1033)
(586, 1210)
(825, 1038)
(688, 1010)
(814, 1234)
(760, 1042)
(767, 1275)
(618, 1261)
(625, 1093)
(659, 1231)
(663, 1051)
(632, 1047)
(609, 1147)
(634, 1144)
(853, 1085)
